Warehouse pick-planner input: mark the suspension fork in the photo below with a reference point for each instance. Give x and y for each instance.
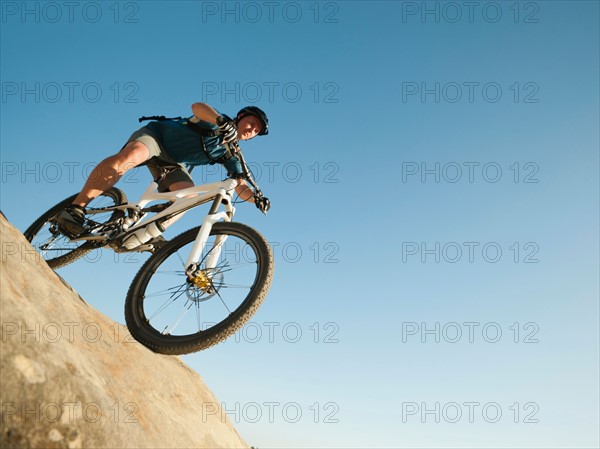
(200, 243)
(215, 252)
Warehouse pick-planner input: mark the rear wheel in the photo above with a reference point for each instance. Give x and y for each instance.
(173, 313)
(56, 248)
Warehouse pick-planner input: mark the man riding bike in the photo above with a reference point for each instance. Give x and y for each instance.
(199, 140)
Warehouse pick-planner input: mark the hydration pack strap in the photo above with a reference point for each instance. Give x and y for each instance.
(204, 132)
(160, 118)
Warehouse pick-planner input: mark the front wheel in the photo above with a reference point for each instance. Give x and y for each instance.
(173, 313)
(57, 249)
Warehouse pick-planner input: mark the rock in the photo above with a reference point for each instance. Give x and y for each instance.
(73, 378)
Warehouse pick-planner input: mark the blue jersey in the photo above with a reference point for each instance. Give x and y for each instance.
(184, 145)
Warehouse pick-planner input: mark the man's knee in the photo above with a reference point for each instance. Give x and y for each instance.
(131, 155)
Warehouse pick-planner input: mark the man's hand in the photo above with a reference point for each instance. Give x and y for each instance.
(227, 129)
(246, 194)
(263, 203)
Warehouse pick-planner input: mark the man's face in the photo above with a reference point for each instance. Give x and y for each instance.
(248, 127)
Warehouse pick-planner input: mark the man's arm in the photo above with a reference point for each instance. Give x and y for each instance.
(247, 194)
(244, 191)
(202, 111)
(206, 113)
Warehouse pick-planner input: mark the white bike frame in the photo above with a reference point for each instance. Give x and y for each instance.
(184, 200)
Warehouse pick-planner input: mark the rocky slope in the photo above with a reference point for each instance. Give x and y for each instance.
(71, 377)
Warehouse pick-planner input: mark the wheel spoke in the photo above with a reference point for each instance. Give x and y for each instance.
(221, 298)
(220, 286)
(237, 266)
(166, 304)
(181, 315)
(166, 290)
(198, 320)
(181, 260)
(171, 273)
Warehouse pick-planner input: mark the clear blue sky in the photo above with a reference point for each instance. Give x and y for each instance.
(401, 132)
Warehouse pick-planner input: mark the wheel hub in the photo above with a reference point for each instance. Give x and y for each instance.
(201, 280)
(203, 284)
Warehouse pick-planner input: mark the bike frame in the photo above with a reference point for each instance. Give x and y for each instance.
(183, 200)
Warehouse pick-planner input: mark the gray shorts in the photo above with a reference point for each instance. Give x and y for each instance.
(159, 160)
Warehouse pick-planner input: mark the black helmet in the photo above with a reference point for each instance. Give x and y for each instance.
(253, 110)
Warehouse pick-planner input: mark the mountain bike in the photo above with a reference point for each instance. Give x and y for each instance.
(195, 290)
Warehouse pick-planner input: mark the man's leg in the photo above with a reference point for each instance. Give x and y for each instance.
(110, 170)
(103, 177)
(180, 185)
